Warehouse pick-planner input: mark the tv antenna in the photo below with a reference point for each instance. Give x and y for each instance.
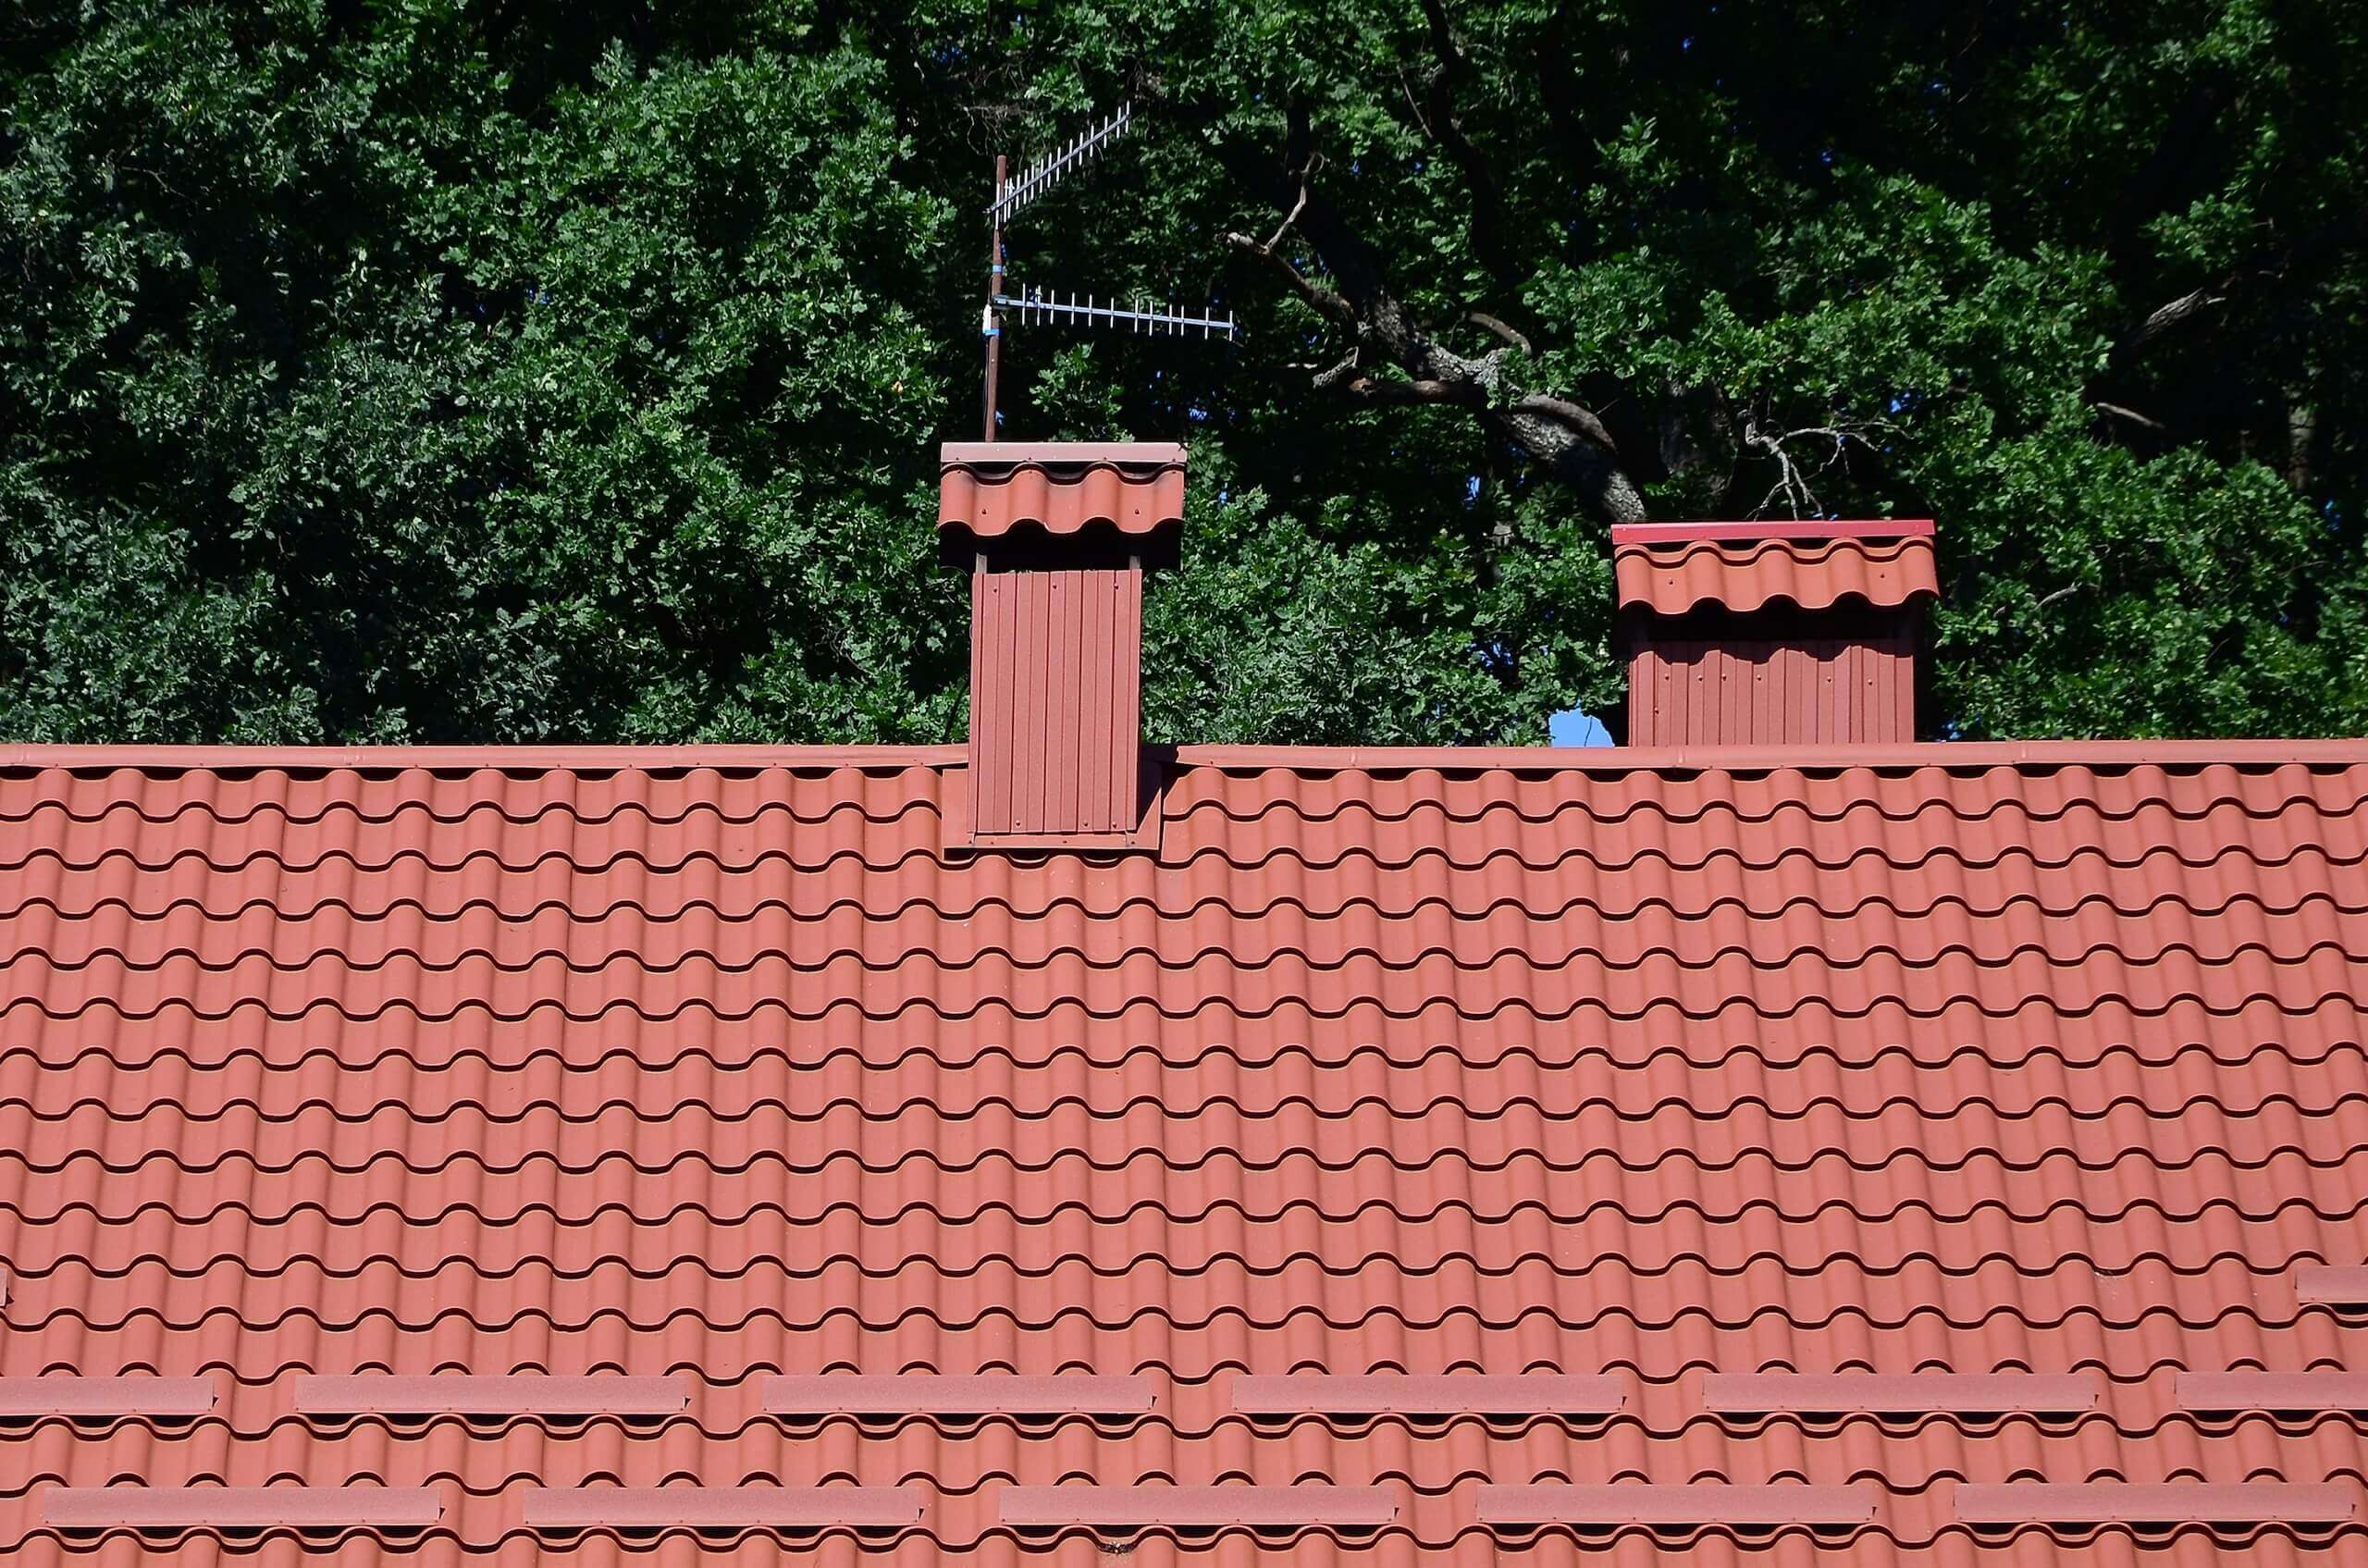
(1032, 304)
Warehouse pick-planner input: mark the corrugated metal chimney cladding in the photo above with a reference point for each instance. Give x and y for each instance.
(1057, 537)
(1744, 634)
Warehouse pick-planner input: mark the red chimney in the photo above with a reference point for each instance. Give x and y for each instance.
(1772, 633)
(1056, 535)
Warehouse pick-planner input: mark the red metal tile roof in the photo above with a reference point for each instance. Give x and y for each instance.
(1742, 575)
(2021, 1083)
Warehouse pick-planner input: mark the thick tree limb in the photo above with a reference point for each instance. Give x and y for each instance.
(1576, 416)
(1563, 435)
(2167, 318)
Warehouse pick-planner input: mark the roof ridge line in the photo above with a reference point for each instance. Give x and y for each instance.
(1713, 758)
(1324, 759)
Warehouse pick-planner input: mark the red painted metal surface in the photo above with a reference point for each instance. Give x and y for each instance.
(384, 762)
(2333, 1284)
(1802, 529)
(990, 492)
(1454, 1394)
(1038, 1507)
(1783, 637)
(924, 1394)
(721, 1508)
(1898, 1394)
(1056, 635)
(1055, 683)
(529, 1394)
(2274, 1390)
(2048, 1062)
(1709, 1503)
(240, 1508)
(2041, 755)
(1745, 576)
(2106, 1502)
(106, 1396)
(1742, 691)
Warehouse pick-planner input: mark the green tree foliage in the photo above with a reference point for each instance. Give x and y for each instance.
(515, 371)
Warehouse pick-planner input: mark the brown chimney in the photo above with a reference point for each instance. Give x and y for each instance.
(1742, 634)
(1056, 535)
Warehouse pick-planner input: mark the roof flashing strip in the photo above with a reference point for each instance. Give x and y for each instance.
(2173, 1502)
(1056, 455)
(1745, 532)
(523, 1394)
(1452, 1394)
(1701, 1503)
(2332, 1284)
(236, 1508)
(2273, 1390)
(930, 1394)
(721, 1508)
(1914, 1393)
(1198, 1507)
(106, 1396)
(1957, 754)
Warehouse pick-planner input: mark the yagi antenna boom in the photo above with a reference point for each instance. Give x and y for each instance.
(1037, 305)
(1053, 166)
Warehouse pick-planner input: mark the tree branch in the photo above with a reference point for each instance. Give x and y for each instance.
(1502, 329)
(1448, 75)
(2272, 261)
(1565, 436)
(2131, 415)
(1325, 302)
(1791, 479)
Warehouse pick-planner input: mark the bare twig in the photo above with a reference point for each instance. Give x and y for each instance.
(1404, 87)
(1297, 207)
(1792, 480)
(2048, 601)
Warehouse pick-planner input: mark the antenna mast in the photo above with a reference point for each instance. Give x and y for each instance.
(1013, 197)
(988, 323)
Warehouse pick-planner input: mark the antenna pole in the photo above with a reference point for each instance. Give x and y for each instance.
(990, 323)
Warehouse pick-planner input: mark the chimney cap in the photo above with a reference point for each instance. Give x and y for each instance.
(984, 455)
(1741, 569)
(1056, 499)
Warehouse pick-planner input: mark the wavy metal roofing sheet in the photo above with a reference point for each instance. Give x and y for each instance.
(990, 492)
(1946, 1090)
(1749, 574)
